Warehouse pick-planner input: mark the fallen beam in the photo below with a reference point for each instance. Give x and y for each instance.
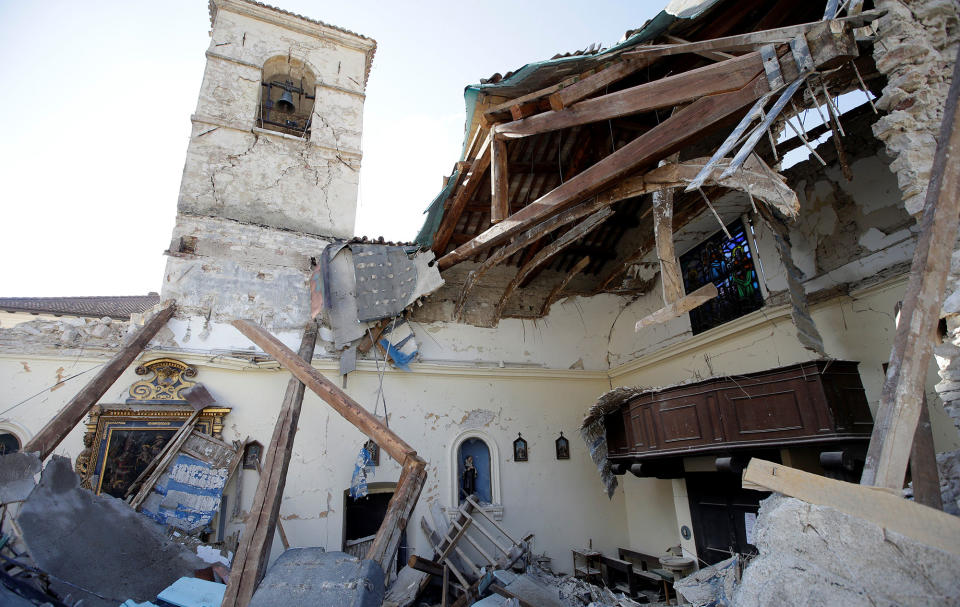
(341, 402)
(55, 430)
(902, 396)
(499, 181)
(253, 550)
(875, 504)
(385, 544)
(681, 306)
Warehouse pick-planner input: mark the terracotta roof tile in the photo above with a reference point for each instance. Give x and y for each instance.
(120, 307)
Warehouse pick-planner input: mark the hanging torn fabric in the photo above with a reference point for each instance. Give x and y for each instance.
(400, 345)
(358, 484)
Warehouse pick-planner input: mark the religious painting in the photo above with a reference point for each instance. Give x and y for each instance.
(128, 450)
(563, 447)
(728, 264)
(520, 452)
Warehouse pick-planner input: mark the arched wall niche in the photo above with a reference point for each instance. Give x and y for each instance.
(455, 455)
(287, 93)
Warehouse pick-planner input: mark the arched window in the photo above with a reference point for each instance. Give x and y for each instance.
(287, 94)
(485, 457)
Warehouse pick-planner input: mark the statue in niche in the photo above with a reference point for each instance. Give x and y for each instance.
(468, 480)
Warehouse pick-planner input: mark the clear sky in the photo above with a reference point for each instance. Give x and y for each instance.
(98, 95)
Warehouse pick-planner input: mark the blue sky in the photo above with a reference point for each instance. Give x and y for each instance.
(99, 94)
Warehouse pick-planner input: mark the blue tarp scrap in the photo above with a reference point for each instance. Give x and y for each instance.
(188, 496)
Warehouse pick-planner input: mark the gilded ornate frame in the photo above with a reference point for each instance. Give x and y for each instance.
(155, 403)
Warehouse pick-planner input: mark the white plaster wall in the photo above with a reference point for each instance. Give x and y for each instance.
(561, 502)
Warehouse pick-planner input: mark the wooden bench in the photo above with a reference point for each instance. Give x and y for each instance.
(646, 568)
(619, 575)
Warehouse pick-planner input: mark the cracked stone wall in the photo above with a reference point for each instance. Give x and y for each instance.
(916, 49)
(236, 170)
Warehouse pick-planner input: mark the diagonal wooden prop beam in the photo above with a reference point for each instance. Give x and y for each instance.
(53, 433)
(253, 550)
(414, 468)
(902, 396)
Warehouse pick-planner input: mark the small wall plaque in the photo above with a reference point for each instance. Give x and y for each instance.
(520, 449)
(563, 447)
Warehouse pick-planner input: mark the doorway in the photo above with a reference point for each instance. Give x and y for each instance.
(362, 518)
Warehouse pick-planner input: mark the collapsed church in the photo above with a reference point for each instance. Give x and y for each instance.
(664, 281)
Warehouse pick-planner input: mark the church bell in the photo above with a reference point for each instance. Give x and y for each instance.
(285, 103)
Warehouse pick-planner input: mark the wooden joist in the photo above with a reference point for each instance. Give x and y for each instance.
(693, 121)
(749, 41)
(560, 286)
(902, 396)
(499, 181)
(385, 544)
(467, 189)
(576, 91)
(253, 550)
(680, 306)
(729, 75)
(548, 251)
(875, 504)
(55, 430)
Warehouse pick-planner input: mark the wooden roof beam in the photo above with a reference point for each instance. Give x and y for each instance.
(728, 75)
(577, 91)
(464, 194)
(669, 136)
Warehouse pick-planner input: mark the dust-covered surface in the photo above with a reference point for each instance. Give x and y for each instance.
(16, 476)
(814, 555)
(98, 542)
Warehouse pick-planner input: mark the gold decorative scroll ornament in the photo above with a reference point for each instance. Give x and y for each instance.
(169, 379)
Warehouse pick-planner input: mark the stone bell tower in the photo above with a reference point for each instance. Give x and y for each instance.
(272, 166)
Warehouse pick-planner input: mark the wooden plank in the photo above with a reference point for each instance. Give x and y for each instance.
(431, 537)
(560, 286)
(253, 549)
(499, 181)
(55, 430)
(280, 529)
(350, 409)
(902, 396)
(711, 55)
(151, 474)
(874, 504)
(425, 565)
(464, 194)
(568, 238)
(723, 77)
(576, 91)
(404, 591)
(411, 482)
(749, 41)
(670, 279)
(490, 560)
(681, 306)
(923, 463)
(498, 589)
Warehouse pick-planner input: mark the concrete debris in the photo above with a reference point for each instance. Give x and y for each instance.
(97, 542)
(712, 586)
(948, 465)
(311, 577)
(814, 555)
(16, 476)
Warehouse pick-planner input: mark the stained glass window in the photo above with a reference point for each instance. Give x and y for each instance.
(728, 264)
